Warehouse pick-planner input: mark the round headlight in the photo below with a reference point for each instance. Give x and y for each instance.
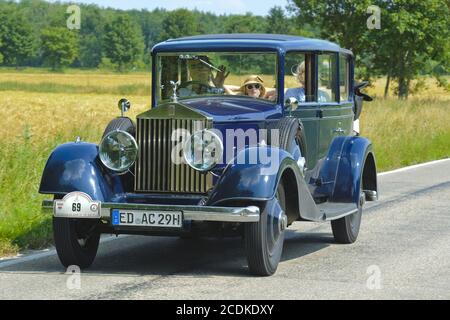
(118, 150)
(203, 150)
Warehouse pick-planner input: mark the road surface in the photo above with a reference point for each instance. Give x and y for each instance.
(403, 252)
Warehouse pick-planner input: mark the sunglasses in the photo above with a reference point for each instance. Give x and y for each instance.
(251, 86)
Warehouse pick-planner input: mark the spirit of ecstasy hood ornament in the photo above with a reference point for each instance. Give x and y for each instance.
(174, 88)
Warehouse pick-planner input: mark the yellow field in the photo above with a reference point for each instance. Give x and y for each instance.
(78, 79)
(36, 117)
(44, 115)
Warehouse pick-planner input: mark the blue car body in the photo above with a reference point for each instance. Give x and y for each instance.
(327, 190)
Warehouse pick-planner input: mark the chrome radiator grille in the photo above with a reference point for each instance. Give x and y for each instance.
(155, 171)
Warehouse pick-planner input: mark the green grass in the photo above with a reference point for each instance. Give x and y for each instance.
(22, 225)
(407, 132)
(34, 70)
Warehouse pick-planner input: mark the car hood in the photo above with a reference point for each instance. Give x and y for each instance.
(234, 109)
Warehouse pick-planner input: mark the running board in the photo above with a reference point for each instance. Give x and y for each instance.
(336, 210)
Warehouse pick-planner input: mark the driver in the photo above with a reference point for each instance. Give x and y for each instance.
(202, 79)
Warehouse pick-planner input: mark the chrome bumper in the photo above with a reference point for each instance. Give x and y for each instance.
(193, 213)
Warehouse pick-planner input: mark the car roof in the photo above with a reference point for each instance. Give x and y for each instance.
(247, 42)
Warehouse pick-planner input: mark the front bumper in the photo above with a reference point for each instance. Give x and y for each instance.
(190, 213)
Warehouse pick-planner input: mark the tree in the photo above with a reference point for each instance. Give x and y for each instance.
(412, 32)
(178, 23)
(343, 22)
(277, 21)
(247, 23)
(16, 38)
(90, 51)
(123, 43)
(59, 46)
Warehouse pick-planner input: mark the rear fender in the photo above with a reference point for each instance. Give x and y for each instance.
(348, 160)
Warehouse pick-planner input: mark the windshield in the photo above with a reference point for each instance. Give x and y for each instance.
(187, 75)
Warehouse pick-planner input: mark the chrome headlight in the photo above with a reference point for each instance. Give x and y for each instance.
(203, 150)
(118, 150)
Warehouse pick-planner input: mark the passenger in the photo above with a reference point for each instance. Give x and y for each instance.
(299, 93)
(253, 87)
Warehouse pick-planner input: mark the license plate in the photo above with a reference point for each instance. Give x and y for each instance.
(76, 205)
(141, 218)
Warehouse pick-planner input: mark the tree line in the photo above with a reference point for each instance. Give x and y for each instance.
(413, 38)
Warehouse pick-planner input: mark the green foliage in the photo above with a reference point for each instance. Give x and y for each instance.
(178, 23)
(412, 33)
(15, 37)
(59, 46)
(123, 42)
(276, 21)
(90, 51)
(247, 23)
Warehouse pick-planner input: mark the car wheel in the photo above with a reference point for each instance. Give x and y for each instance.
(264, 239)
(76, 241)
(346, 229)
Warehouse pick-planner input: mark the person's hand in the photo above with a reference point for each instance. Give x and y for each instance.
(220, 77)
(271, 95)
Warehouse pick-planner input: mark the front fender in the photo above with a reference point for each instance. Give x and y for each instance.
(76, 167)
(253, 175)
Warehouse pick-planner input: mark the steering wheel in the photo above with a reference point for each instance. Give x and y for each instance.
(203, 88)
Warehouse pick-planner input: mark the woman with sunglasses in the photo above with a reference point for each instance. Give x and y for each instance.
(253, 87)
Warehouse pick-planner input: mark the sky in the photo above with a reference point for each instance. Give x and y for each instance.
(256, 7)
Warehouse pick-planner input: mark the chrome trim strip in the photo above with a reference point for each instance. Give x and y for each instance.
(195, 213)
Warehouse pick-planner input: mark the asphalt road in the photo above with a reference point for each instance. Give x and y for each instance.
(403, 252)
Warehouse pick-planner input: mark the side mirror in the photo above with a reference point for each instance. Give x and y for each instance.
(291, 104)
(124, 105)
(359, 98)
(359, 87)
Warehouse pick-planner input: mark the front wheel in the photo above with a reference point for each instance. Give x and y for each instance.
(264, 239)
(76, 241)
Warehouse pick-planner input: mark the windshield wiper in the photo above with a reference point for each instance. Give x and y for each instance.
(189, 57)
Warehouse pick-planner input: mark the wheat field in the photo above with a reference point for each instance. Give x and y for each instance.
(41, 110)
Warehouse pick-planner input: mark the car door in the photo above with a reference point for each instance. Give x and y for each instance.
(336, 116)
(302, 88)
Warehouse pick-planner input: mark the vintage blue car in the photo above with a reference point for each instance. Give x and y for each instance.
(247, 134)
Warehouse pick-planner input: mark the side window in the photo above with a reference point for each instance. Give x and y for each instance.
(327, 78)
(298, 78)
(343, 77)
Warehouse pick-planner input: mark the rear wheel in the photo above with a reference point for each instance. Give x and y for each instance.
(346, 229)
(264, 239)
(76, 241)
